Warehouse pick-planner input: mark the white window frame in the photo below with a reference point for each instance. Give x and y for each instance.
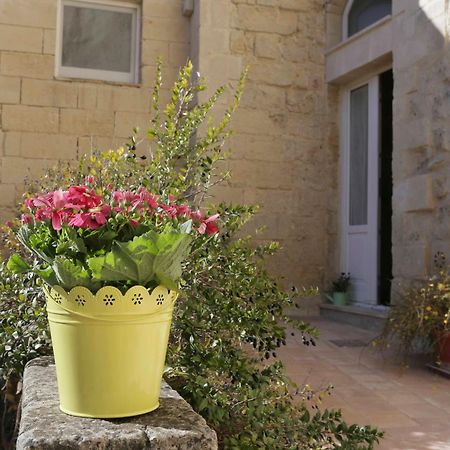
(94, 74)
(345, 15)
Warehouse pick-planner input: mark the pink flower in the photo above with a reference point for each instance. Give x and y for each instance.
(197, 215)
(50, 206)
(26, 218)
(89, 179)
(148, 197)
(183, 210)
(170, 210)
(93, 219)
(82, 197)
(209, 225)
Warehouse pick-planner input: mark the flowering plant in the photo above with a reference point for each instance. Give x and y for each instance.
(92, 238)
(420, 314)
(342, 283)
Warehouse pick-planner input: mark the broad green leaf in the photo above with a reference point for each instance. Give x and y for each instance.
(17, 265)
(48, 275)
(148, 257)
(69, 274)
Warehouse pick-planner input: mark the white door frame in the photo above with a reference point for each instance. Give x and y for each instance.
(371, 229)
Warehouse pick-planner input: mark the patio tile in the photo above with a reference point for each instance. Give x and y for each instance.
(411, 404)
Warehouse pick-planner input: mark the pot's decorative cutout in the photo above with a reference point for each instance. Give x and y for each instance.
(109, 301)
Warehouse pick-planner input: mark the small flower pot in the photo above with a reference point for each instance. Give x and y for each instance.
(340, 298)
(109, 348)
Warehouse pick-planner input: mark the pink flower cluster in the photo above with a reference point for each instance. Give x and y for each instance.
(81, 207)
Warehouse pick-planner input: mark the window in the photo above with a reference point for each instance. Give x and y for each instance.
(360, 14)
(98, 40)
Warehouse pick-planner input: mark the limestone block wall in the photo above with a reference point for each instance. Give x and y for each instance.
(421, 203)
(43, 119)
(421, 110)
(280, 156)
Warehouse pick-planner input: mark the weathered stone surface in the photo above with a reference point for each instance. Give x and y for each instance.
(43, 426)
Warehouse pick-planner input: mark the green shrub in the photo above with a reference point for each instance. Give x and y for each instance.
(230, 320)
(420, 316)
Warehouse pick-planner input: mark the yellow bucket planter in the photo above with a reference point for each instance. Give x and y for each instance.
(109, 348)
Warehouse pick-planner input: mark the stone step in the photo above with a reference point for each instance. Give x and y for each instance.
(368, 317)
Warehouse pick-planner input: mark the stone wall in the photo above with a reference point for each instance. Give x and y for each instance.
(43, 118)
(279, 154)
(421, 162)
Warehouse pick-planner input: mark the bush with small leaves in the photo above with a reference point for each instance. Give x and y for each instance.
(229, 320)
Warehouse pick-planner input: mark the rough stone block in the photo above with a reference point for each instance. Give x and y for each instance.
(178, 53)
(220, 14)
(7, 195)
(48, 146)
(152, 50)
(267, 45)
(9, 90)
(86, 122)
(162, 8)
(87, 95)
(30, 118)
(411, 261)
(414, 194)
(266, 19)
(27, 65)
(411, 135)
(29, 13)
(241, 42)
(126, 121)
(49, 93)
(20, 39)
(123, 98)
(12, 143)
(260, 96)
(14, 169)
(174, 425)
(293, 48)
(87, 144)
(161, 29)
(274, 72)
(49, 41)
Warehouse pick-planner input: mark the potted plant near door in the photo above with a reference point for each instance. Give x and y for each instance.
(421, 316)
(339, 290)
(110, 262)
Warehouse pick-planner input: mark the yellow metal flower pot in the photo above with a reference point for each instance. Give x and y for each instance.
(109, 348)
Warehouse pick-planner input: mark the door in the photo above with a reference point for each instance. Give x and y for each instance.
(360, 153)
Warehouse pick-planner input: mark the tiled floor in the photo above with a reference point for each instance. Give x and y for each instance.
(411, 404)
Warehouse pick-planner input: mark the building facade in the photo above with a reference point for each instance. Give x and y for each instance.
(343, 134)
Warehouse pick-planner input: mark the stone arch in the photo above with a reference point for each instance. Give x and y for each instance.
(334, 11)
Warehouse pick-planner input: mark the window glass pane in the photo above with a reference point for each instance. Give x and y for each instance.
(97, 39)
(364, 13)
(359, 115)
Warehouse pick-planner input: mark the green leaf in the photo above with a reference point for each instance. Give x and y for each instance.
(47, 274)
(69, 274)
(146, 258)
(17, 265)
(186, 227)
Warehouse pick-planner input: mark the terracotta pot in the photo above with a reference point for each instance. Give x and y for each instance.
(443, 348)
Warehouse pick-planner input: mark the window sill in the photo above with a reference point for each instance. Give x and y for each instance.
(94, 81)
(357, 36)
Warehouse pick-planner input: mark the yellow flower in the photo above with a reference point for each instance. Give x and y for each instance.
(428, 308)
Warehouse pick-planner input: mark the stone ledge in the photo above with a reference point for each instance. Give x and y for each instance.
(173, 426)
